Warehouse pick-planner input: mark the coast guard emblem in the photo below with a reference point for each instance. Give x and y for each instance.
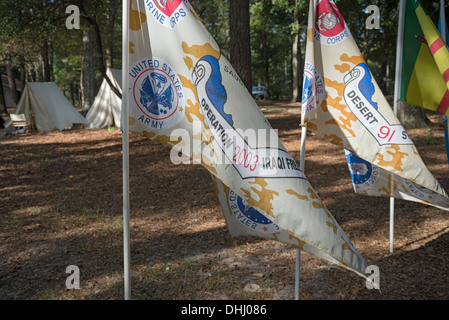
(157, 93)
(330, 27)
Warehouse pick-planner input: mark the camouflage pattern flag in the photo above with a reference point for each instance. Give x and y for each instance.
(185, 94)
(343, 104)
(243, 220)
(372, 180)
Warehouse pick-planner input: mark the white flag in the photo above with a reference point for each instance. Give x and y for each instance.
(343, 104)
(184, 93)
(243, 220)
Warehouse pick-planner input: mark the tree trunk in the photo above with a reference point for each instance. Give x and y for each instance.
(267, 66)
(39, 72)
(296, 52)
(240, 47)
(23, 74)
(3, 110)
(99, 47)
(411, 116)
(112, 9)
(12, 85)
(45, 63)
(72, 94)
(295, 69)
(88, 76)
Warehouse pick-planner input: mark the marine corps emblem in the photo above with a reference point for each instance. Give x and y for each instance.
(330, 27)
(168, 12)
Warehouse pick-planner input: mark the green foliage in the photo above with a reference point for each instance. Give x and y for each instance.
(214, 15)
(28, 26)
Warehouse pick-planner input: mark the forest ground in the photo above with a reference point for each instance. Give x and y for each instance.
(61, 205)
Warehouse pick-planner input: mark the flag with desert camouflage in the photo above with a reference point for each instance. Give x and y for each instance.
(243, 220)
(343, 104)
(184, 93)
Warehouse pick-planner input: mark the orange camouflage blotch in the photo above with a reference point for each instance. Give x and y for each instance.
(346, 246)
(310, 34)
(333, 226)
(333, 139)
(313, 194)
(265, 196)
(323, 106)
(275, 235)
(147, 134)
(344, 121)
(300, 244)
(199, 51)
(311, 126)
(187, 83)
(396, 158)
(339, 87)
(343, 68)
(161, 138)
(192, 108)
(136, 18)
(389, 188)
(316, 204)
(294, 193)
(207, 138)
(353, 59)
(189, 63)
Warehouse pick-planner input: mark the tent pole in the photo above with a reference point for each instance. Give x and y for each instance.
(301, 167)
(397, 88)
(125, 148)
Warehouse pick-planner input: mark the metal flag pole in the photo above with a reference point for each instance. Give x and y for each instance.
(125, 150)
(301, 167)
(397, 88)
(442, 27)
(298, 262)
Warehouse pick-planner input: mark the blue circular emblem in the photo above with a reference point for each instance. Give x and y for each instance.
(309, 88)
(360, 169)
(313, 91)
(156, 92)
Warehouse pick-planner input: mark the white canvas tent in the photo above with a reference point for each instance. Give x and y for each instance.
(107, 106)
(46, 108)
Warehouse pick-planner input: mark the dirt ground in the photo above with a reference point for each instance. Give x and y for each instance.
(61, 205)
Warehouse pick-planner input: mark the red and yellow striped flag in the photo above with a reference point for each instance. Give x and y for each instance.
(425, 62)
